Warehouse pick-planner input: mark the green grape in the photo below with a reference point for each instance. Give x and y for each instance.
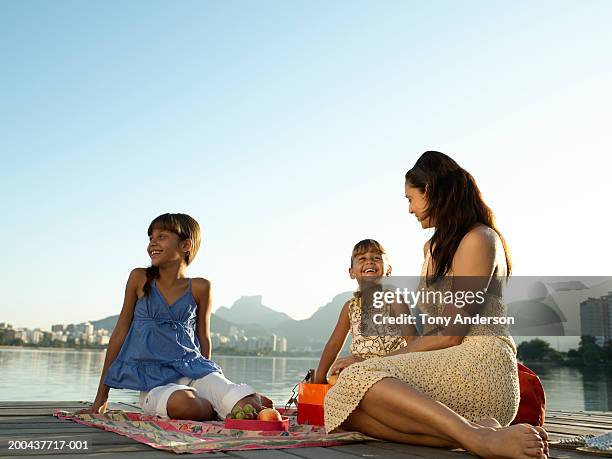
(248, 408)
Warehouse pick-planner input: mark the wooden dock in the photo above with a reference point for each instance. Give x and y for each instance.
(33, 420)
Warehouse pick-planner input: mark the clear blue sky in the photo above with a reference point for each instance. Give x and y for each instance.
(285, 129)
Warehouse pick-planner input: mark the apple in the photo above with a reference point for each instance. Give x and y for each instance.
(331, 380)
(269, 414)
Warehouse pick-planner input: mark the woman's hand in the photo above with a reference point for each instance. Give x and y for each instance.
(344, 362)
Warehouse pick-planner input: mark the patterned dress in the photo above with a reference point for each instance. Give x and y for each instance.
(477, 378)
(370, 346)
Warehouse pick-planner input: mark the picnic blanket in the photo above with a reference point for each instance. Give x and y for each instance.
(180, 436)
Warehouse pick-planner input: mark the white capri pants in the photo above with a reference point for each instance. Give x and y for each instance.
(214, 387)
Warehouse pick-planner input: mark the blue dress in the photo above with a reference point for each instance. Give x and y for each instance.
(161, 346)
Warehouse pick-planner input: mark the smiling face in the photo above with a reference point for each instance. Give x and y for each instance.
(369, 265)
(417, 205)
(165, 247)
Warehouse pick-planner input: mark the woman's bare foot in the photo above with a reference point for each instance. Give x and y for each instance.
(488, 422)
(544, 437)
(520, 441)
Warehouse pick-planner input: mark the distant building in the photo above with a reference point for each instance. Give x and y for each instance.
(596, 318)
(59, 336)
(35, 336)
(7, 335)
(58, 328)
(281, 344)
(21, 334)
(101, 339)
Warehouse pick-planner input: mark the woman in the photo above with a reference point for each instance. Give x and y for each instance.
(453, 387)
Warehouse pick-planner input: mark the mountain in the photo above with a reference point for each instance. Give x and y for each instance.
(217, 325)
(249, 310)
(249, 314)
(315, 330)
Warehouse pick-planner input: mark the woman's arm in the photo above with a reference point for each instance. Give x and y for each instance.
(409, 332)
(134, 283)
(473, 265)
(201, 293)
(334, 345)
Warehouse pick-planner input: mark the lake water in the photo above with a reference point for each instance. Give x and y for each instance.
(40, 374)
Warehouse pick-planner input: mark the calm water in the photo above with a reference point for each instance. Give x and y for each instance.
(36, 374)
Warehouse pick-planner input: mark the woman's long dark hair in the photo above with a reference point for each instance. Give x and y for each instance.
(455, 205)
(185, 227)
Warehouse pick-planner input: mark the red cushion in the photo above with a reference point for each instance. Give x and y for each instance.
(532, 406)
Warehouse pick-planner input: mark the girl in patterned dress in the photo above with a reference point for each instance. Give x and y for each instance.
(368, 263)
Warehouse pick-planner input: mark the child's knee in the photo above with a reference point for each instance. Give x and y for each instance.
(184, 404)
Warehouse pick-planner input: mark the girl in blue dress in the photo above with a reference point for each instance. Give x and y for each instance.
(161, 343)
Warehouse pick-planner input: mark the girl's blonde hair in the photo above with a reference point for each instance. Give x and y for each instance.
(367, 245)
(186, 228)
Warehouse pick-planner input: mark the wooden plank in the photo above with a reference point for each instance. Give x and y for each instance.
(581, 412)
(556, 453)
(370, 449)
(607, 423)
(25, 418)
(40, 410)
(17, 403)
(588, 425)
(580, 423)
(78, 428)
(7, 423)
(100, 442)
(320, 453)
(398, 451)
(101, 449)
(28, 414)
(131, 455)
(111, 405)
(579, 416)
(422, 451)
(580, 426)
(262, 454)
(97, 437)
(63, 405)
(572, 430)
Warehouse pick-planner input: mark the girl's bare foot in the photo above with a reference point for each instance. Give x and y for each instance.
(520, 441)
(256, 400)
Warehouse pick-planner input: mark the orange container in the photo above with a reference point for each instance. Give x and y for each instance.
(310, 403)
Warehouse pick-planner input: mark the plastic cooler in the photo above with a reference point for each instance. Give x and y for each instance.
(310, 403)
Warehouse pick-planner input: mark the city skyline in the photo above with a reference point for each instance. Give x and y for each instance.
(286, 131)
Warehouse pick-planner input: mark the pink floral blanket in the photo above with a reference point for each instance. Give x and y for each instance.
(196, 437)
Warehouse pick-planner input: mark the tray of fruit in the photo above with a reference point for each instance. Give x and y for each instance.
(247, 418)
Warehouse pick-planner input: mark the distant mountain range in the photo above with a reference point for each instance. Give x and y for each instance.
(249, 310)
(248, 313)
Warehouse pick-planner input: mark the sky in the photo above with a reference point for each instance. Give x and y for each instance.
(285, 129)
